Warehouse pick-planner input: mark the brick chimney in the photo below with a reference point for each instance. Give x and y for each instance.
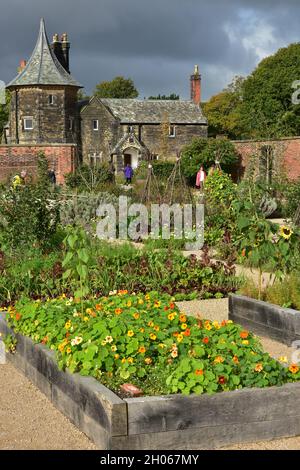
(22, 65)
(61, 48)
(196, 86)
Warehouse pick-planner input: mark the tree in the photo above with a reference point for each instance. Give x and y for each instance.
(267, 109)
(119, 87)
(82, 96)
(172, 97)
(4, 114)
(202, 151)
(223, 111)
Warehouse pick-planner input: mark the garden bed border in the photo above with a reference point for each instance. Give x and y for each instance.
(263, 318)
(162, 422)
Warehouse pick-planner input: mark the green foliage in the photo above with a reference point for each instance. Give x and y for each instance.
(205, 152)
(4, 113)
(267, 109)
(29, 213)
(172, 96)
(138, 338)
(119, 87)
(291, 198)
(88, 178)
(162, 169)
(223, 111)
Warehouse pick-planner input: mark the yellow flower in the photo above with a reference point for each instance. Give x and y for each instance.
(141, 302)
(283, 359)
(116, 356)
(229, 322)
(150, 323)
(123, 360)
(85, 319)
(153, 336)
(114, 348)
(129, 303)
(219, 360)
(130, 360)
(184, 326)
(174, 353)
(103, 342)
(216, 325)
(162, 345)
(68, 325)
(245, 342)
(156, 328)
(208, 326)
(157, 303)
(109, 339)
(147, 297)
(130, 333)
(258, 368)
(89, 311)
(148, 360)
(136, 316)
(179, 338)
(69, 350)
(142, 330)
(142, 350)
(61, 347)
(285, 232)
(171, 316)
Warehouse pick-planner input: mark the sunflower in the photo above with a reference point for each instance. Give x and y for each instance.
(285, 232)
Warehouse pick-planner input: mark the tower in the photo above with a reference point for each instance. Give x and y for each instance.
(44, 96)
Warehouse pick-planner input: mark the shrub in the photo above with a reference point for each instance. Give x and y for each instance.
(87, 178)
(142, 337)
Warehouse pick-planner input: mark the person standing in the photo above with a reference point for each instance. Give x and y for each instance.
(52, 176)
(128, 173)
(200, 178)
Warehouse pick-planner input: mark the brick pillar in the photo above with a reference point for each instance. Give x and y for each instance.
(196, 86)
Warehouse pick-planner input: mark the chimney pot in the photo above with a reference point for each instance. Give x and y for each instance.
(22, 65)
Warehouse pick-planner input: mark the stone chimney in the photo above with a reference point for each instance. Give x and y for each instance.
(196, 86)
(61, 48)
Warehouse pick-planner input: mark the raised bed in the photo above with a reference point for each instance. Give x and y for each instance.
(167, 422)
(281, 324)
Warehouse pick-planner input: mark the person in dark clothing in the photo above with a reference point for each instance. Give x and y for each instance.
(52, 176)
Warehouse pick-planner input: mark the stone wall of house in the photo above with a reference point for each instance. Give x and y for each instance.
(286, 156)
(51, 122)
(15, 158)
(101, 141)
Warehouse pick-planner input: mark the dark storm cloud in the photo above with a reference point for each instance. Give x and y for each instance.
(156, 42)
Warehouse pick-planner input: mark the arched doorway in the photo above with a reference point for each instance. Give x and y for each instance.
(131, 156)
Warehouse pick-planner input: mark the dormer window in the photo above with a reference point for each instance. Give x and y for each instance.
(95, 125)
(28, 123)
(51, 99)
(172, 131)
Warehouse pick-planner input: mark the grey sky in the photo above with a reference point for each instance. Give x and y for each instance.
(155, 42)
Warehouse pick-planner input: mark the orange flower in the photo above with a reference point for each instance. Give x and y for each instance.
(244, 252)
(142, 350)
(174, 353)
(116, 356)
(172, 305)
(98, 307)
(205, 340)
(182, 318)
(199, 372)
(156, 328)
(224, 323)
(187, 332)
(68, 334)
(258, 368)
(45, 340)
(18, 316)
(244, 334)
(118, 311)
(136, 316)
(175, 334)
(235, 359)
(151, 324)
(294, 368)
(219, 360)
(142, 330)
(166, 309)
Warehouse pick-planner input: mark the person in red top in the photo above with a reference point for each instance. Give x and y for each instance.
(201, 175)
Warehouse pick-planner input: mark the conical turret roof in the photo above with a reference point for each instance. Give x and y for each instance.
(43, 68)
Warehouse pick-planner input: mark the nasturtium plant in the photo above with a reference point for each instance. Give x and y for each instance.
(146, 340)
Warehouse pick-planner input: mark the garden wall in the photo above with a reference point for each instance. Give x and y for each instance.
(164, 422)
(286, 152)
(281, 324)
(15, 158)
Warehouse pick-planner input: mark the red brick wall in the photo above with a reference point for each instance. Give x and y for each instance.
(286, 149)
(15, 158)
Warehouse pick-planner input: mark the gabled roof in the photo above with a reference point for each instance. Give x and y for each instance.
(128, 140)
(43, 68)
(155, 111)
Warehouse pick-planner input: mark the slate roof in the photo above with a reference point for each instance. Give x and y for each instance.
(153, 111)
(43, 68)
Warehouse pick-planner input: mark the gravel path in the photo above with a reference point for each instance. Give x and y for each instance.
(29, 421)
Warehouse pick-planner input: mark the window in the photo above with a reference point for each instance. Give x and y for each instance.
(172, 131)
(95, 125)
(95, 159)
(28, 123)
(51, 99)
(71, 123)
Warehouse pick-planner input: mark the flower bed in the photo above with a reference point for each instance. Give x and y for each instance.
(145, 340)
